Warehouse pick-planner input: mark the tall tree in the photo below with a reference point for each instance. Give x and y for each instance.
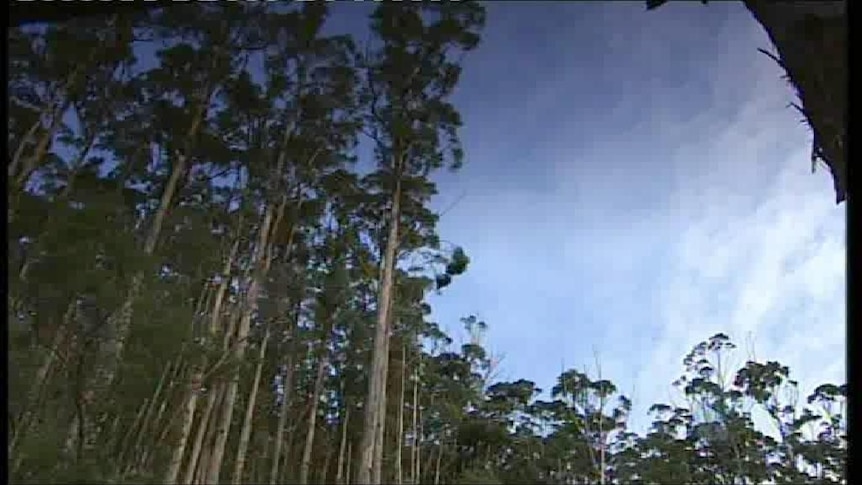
(408, 78)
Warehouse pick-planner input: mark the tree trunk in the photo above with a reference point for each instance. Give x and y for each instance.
(325, 470)
(245, 433)
(347, 473)
(377, 381)
(379, 438)
(312, 418)
(811, 40)
(120, 321)
(197, 377)
(399, 473)
(41, 380)
(414, 450)
(208, 431)
(214, 399)
(239, 350)
(342, 447)
(203, 425)
(437, 464)
(19, 168)
(287, 387)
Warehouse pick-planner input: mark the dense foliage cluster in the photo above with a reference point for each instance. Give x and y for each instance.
(197, 265)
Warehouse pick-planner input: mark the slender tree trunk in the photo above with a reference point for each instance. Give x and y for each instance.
(287, 387)
(377, 469)
(19, 168)
(120, 321)
(377, 381)
(262, 262)
(399, 472)
(284, 408)
(206, 451)
(197, 376)
(214, 399)
(194, 457)
(347, 473)
(312, 418)
(146, 419)
(342, 447)
(41, 381)
(326, 460)
(414, 450)
(437, 464)
(245, 433)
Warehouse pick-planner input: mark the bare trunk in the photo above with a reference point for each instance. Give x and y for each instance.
(185, 430)
(342, 447)
(437, 464)
(399, 473)
(41, 380)
(414, 469)
(124, 443)
(325, 471)
(245, 433)
(12, 170)
(147, 417)
(347, 473)
(262, 263)
(19, 169)
(194, 456)
(287, 386)
(120, 321)
(377, 470)
(197, 377)
(200, 471)
(312, 419)
(282, 420)
(377, 381)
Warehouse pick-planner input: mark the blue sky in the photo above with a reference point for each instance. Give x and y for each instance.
(635, 182)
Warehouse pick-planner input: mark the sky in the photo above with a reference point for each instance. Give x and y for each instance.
(635, 182)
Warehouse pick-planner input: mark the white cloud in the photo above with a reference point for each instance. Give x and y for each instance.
(684, 210)
(760, 253)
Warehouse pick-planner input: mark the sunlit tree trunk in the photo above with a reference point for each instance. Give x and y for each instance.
(245, 433)
(262, 266)
(399, 473)
(374, 421)
(197, 376)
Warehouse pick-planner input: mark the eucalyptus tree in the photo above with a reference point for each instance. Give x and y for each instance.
(409, 76)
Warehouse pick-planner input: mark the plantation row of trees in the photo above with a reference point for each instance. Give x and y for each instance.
(211, 281)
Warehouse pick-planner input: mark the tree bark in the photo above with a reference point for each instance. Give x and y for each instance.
(342, 447)
(245, 433)
(414, 450)
(399, 472)
(377, 470)
(380, 357)
(240, 345)
(203, 425)
(811, 40)
(312, 418)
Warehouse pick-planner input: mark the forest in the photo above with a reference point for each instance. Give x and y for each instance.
(220, 250)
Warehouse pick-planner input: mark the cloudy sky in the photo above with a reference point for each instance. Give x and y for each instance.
(635, 183)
